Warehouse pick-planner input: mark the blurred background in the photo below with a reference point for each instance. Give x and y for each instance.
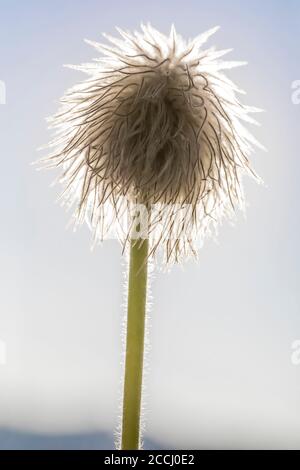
(220, 371)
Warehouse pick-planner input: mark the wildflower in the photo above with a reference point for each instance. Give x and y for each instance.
(155, 131)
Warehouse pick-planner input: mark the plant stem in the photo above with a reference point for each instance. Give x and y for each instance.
(137, 292)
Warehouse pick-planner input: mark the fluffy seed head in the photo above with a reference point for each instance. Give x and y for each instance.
(158, 124)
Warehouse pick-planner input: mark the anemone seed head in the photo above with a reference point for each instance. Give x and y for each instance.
(158, 124)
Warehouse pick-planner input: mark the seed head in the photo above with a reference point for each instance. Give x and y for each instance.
(157, 124)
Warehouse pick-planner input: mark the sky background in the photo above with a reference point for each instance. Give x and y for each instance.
(219, 372)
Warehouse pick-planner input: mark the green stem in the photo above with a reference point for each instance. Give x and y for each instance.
(137, 292)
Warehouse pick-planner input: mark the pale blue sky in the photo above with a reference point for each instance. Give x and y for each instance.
(221, 334)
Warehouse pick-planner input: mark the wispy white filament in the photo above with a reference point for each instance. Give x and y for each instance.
(157, 123)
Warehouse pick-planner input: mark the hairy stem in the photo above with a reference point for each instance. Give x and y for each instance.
(137, 292)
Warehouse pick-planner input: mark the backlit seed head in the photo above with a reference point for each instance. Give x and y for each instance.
(157, 124)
